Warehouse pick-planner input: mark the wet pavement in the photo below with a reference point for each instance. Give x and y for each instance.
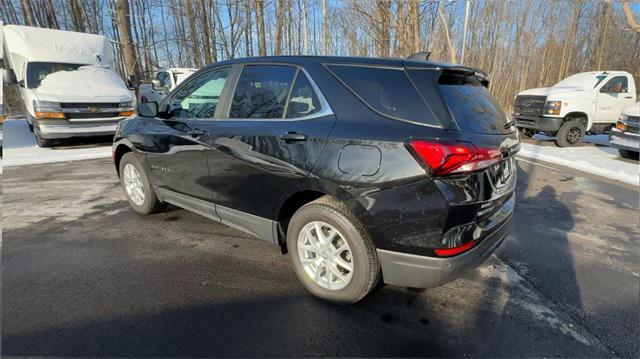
(83, 275)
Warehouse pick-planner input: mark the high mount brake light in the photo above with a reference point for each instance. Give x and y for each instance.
(444, 157)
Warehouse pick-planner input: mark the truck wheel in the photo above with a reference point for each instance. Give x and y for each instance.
(331, 253)
(137, 187)
(628, 154)
(571, 133)
(43, 142)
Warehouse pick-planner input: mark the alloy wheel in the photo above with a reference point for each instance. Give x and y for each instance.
(133, 184)
(325, 255)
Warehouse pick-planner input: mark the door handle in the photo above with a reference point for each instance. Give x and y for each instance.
(293, 137)
(196, 132)
(628, 97)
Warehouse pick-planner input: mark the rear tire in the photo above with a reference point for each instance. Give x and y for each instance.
(350, 274)
(136, 186)
(628, 154)
(571, 133)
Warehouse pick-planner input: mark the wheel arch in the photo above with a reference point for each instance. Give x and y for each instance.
(120, 150)
(582, 116)
(307, 192)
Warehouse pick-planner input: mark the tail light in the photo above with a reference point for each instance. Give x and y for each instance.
(445, 157)
(449, 252)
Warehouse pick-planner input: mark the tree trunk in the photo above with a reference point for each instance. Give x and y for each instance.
(279, 25)
(128, 51)
(262, 42)
(325, 29)
(195, 39)
(28, 13)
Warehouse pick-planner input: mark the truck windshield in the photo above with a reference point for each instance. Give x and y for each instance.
(37, 71)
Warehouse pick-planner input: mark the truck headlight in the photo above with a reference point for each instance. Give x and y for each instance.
(552, 107)
(47, 106)
(47, 109)
(128, 104)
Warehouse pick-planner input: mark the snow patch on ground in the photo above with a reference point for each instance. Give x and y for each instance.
(599, 160)
(86, 81)
(518, 293)
(20, 148)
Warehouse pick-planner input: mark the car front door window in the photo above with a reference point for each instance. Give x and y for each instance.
(200, 97)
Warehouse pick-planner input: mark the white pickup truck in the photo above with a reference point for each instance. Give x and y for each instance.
(67, 83)
(585, 102)
(163, 82)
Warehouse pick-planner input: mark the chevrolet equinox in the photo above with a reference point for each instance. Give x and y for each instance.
(362, 169)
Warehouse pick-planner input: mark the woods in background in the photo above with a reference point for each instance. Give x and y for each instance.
(521, 44)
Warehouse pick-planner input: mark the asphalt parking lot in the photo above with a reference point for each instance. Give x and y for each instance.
(83, 275)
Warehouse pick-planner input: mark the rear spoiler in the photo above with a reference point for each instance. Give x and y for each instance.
(482, 76)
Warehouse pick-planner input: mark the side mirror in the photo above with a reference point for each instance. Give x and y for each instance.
(9, 77)
(157, 85)
(148, 109)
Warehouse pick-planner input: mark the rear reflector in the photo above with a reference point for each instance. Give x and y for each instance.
(443, 157)
(448, 252)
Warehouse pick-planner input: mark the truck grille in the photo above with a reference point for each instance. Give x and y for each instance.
(86, 115)
(89, 104)
(529, 105)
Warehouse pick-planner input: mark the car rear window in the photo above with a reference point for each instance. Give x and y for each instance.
(386, 90)
(472, 106)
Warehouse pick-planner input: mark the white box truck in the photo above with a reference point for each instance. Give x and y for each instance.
(67, 82)
(585, 102)
(164, 80)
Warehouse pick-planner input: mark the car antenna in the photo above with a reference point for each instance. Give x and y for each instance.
(420, 56)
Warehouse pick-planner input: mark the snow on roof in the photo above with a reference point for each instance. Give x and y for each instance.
(25, 44)
(86, 81)
(587, 79)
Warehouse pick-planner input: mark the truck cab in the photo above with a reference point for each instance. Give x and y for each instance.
(67, 83)
(588, 102)
(164, 80)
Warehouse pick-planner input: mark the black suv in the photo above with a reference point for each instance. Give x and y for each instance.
(363, 169)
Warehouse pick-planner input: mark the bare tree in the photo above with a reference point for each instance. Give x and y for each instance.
(28, 13)
(122, 14)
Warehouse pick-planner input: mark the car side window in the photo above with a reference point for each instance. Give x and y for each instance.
(262, 91)
(303, 100)
(618, 84)
(200, 96)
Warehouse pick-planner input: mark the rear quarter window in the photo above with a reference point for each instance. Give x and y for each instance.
(472, 106)
(386, 90)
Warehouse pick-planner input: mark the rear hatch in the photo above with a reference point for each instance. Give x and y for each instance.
(480, 189)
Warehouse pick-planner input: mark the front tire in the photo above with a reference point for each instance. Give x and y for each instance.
(331, 252)
(526, 132)
(628, 154)
(43, 142)
(570, 133)
(137, 187)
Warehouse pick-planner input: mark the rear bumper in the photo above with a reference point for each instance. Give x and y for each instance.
(539, 123)
(624, 140)
(53, 129)
(410, 270)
